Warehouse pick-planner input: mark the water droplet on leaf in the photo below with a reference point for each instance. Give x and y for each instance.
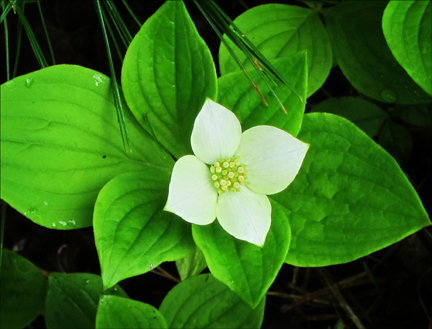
(98, 79)
(28, 82)
(388, 96)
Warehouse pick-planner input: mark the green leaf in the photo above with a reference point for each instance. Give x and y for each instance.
(22, 291)
(396, 140)
(60, 143)
(167, 74)
(72, 300)
(204, 302)
(236, 93)
(192, 264)
(117, 312)
(407, 27)
(279, 30)
(363, 55)
(245, 268)
(420, 115)
(133, 234)
(365, 115)
(350, 197)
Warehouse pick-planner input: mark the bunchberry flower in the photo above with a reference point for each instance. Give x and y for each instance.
(243, 168)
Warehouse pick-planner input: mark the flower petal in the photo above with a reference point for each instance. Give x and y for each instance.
(272, 158)
(245, 215)
(192, 195)
(216, 133)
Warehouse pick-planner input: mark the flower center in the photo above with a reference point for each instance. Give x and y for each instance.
(228, 174)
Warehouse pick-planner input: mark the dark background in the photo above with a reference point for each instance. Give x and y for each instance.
(391, 288)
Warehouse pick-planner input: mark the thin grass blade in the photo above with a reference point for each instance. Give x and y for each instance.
(255, 55)
(267, 72)
(33, 41)
(18, 48)
(114, 85)
(118, 22)
(111, 32)
(6, 10)
(239, 63)
(131, 13)
(6, 31)
(46, 34)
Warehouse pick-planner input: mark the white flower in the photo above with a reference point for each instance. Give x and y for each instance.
(243, 169)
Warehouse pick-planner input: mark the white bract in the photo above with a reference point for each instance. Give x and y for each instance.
(243, 169)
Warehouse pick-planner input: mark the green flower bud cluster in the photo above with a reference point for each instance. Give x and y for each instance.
(228, 175)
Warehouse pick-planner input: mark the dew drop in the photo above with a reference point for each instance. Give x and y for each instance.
(28, 82)
(63, 223)
(151, 266)
(388, 96)
(98, 79)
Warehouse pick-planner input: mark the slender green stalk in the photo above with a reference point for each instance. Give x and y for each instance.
(118, 22)
(18, 48)
(33, 41)
(254, 52)
(6, 10)
(131, 13)
(264, 68)
(46, 33)
(239, 63)
(6, 31)
(111, 32)
(114, 85)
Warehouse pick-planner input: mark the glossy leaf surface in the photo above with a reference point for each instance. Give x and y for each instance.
(204, 302)
(133, 234)
(117, 312)
(192, 264)
(60, 143)
(350, 197)
(236, 93)
(247, 269)
(407, 27)
(279, 30)
(167, 74)
(363, 54)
